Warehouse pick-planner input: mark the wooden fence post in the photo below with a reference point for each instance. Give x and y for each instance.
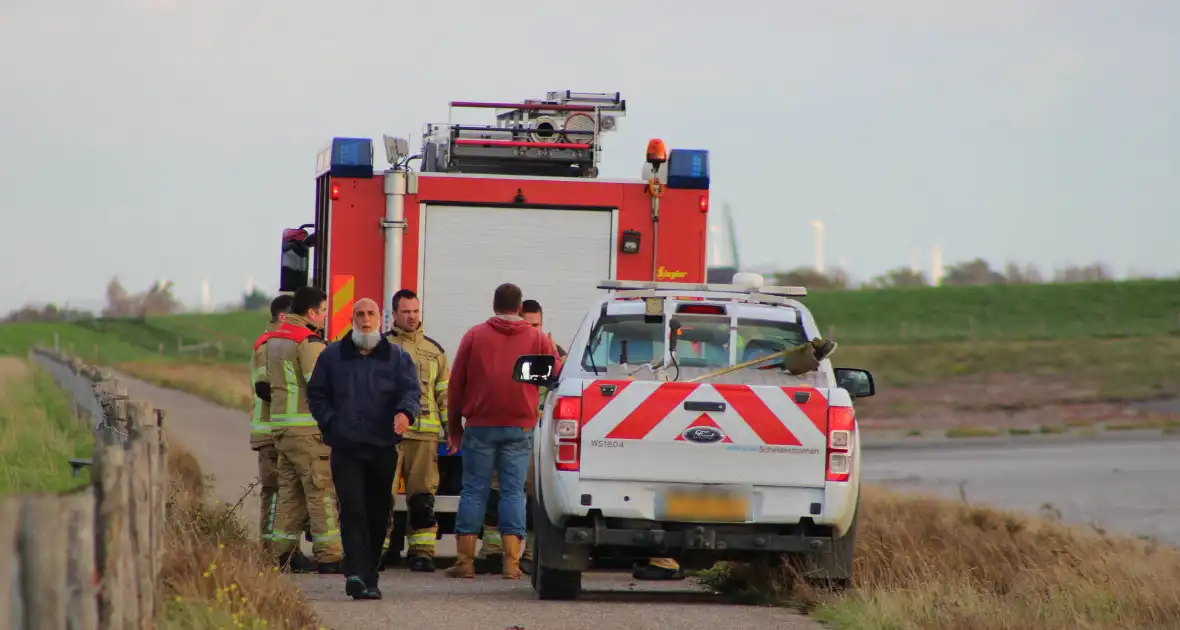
(92, 559)
(43, 543)
(150, 497)
(10, 607)
(116, 610)
(82, 602)
(141, 556)
(151, 436)
(161, 495)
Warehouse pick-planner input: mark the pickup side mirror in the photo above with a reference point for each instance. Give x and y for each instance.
(858, 382)
(535, 369)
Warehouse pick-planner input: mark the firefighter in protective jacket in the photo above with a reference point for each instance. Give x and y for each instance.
(305, 477)
(261, 440)
(418, 450)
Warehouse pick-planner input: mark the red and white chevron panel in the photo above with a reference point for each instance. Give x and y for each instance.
(762, 414)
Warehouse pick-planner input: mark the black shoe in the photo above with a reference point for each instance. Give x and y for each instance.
(825, 350)
(526, 566)
(330, 568)
(652, 573)
(356, 588)
(421, 564)
(491, 563)
(296, 562)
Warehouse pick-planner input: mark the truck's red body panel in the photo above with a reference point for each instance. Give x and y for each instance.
(356, 242)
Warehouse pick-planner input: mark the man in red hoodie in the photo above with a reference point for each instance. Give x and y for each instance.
(501, 415)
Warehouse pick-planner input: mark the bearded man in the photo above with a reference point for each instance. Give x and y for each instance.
(363, 394)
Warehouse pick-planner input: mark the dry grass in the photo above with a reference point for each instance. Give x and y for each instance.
(214, 573)
(926, 563)
(227, 384)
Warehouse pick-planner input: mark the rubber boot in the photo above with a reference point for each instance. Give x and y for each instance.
(512, 550)
(464, 567)
(491, 553)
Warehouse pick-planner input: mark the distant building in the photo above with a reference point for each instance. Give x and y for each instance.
(722, 248)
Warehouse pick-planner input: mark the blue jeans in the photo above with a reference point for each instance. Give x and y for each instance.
(505, 450)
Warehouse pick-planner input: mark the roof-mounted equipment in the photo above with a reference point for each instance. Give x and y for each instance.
(554, 137)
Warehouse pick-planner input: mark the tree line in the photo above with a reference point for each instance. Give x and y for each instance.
(158, 299)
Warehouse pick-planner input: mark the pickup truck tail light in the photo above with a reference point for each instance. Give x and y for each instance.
(841, 439)
(567, 433)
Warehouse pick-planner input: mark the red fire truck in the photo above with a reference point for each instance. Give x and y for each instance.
(516, 200)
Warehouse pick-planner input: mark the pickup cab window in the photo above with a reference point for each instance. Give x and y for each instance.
(703, 341)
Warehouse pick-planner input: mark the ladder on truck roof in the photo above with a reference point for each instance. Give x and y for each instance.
(557, 136)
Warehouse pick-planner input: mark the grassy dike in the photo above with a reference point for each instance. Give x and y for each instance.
(38, 432)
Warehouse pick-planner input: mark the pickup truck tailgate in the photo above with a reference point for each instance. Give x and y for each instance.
(704, 433)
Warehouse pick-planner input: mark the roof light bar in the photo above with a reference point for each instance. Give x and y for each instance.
(691, 287)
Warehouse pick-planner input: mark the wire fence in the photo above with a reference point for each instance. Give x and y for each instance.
(92, 390)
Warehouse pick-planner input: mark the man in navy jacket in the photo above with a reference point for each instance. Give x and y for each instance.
(363, 395)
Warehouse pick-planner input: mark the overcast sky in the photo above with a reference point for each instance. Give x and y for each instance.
(172, 139)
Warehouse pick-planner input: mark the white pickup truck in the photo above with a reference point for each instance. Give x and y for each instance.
(645, 449)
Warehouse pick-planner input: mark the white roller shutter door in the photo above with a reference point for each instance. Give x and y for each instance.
(555, 256)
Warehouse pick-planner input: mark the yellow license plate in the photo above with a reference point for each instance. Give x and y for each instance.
(709, 506)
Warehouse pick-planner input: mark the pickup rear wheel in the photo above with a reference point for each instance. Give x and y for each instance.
(550, 583)
(833, 570)
(555, 584)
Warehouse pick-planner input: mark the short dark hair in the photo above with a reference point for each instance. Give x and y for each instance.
(280, 304)
(507, 298)
(531, 306)
(404, 294)
(306, 299)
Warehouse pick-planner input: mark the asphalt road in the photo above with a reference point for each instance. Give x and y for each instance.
(1120, 485)
(218, 437)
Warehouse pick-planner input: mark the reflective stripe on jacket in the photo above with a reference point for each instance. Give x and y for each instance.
(260, 417)
(292, 350)
(433, 374)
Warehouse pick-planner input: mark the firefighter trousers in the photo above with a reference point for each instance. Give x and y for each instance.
(418, 470)
(268, 482)
(306, 493)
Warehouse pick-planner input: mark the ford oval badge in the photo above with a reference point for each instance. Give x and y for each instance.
(703, 435)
